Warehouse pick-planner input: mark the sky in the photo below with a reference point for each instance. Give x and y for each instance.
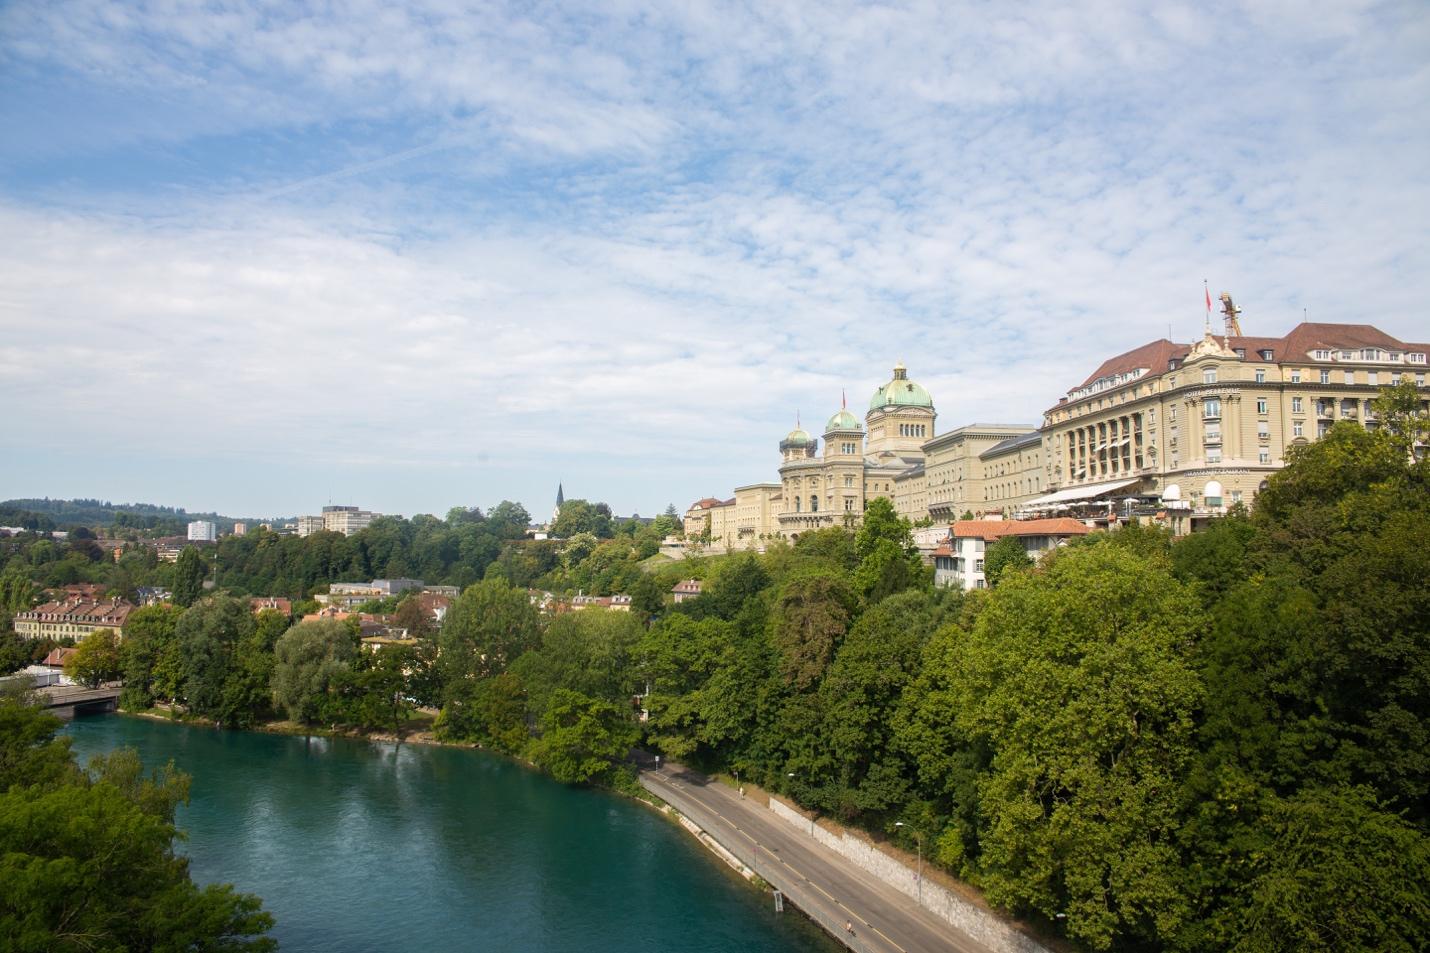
(256, 258)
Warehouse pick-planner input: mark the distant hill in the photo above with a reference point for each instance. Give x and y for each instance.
(50, 514)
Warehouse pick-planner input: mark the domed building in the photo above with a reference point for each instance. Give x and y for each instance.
(860, 461)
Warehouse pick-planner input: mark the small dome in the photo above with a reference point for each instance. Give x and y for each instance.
(900, 392)
(797, 438)
(843, 420)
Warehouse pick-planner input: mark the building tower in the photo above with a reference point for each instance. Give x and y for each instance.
(560, 499)
(901, 417)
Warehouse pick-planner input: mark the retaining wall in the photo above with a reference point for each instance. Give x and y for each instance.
(982, 925)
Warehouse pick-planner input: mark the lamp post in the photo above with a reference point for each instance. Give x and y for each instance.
(919, 840)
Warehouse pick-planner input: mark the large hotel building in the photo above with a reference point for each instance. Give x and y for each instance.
(1174, 432)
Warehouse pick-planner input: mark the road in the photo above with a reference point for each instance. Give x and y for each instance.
(826, 886)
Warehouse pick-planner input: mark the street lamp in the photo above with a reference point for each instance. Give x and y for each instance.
(919, 840)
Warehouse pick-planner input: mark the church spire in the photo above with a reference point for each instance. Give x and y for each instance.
(560, 497)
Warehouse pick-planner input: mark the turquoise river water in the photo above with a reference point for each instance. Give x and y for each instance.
(363, 846)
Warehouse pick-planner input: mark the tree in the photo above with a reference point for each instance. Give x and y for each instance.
(1080, 682)
(206, 646)
(582, 738)
(811, 614)
(307, 659)
(889, 561)
(488, 626)
(95, 659)
(1007, 553)
(17, 591)
(89, 860)
(581, 516)
(148, 633)
(189, 573)
(489, 711)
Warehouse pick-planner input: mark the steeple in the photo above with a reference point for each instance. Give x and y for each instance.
(560, 498)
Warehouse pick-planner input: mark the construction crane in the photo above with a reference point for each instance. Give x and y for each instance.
(1229, 312)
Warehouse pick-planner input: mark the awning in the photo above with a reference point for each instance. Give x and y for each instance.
(1088, 492)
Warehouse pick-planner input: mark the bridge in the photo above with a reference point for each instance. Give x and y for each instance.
(65, 701)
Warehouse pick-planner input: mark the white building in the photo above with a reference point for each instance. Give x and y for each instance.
(960, 561)
(203, 531)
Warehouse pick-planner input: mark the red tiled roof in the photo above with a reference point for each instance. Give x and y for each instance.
(688, 587)
(997, 529)
(259, 603)
(1296, 345)
(1152, 356)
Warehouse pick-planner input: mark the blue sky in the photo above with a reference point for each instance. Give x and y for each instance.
(258, 257)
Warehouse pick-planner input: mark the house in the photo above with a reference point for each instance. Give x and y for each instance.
(686, 589)
(616, 603)
(72, 618)
(278, 603)
(959, 562)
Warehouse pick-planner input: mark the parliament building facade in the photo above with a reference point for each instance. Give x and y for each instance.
(1177, 432)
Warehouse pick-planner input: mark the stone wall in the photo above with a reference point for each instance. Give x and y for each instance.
(980, 924)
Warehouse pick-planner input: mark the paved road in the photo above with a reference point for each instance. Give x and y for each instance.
(817, 880)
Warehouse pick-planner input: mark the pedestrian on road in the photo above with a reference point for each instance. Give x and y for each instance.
(849, 927)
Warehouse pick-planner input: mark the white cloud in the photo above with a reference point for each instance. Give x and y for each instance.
(631, 243)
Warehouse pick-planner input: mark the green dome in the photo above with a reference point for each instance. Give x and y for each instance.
(797, 438)
(900, 392)
(843, 420)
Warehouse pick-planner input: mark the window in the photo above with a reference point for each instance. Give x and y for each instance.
(1235, 497)
(1266, 355)
(1295, 405)
(849, 504)
(1264, 456)
(814, 504)
(1325, 377)
(1211, 408)
(1369, 354)
(1322, 355)
(978, 565)
(1261, 405)
(1172, 413)
(1214, 455)
(849, 480)
(1372, 378)
(1298, 429)
(1209, 375)
(1395, 380)
(1296, 376)
(1263, 430)
(1261, 375)
(1419, 380)
(1350, 377)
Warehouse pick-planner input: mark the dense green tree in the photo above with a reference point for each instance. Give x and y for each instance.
(207, 639)
(812, 612)
(89, 861)
(582, 738)
(1007, 553)
(189, 573)
(95, 659)
(1080, 800)
(490, 712)
(307, 660)
(591, 652)
(17, 590)
(371, 693)
(582, 516)
(148, 632)
(489, 626)
(889, 561)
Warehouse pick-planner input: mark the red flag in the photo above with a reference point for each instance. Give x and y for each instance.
(1209, 299)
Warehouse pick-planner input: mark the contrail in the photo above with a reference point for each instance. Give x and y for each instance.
(353, 170)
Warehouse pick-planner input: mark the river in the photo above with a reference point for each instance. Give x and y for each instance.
(361, 846)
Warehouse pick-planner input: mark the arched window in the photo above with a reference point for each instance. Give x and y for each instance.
(814, 504)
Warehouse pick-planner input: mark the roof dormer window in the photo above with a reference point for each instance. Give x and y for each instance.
(1323, 355)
